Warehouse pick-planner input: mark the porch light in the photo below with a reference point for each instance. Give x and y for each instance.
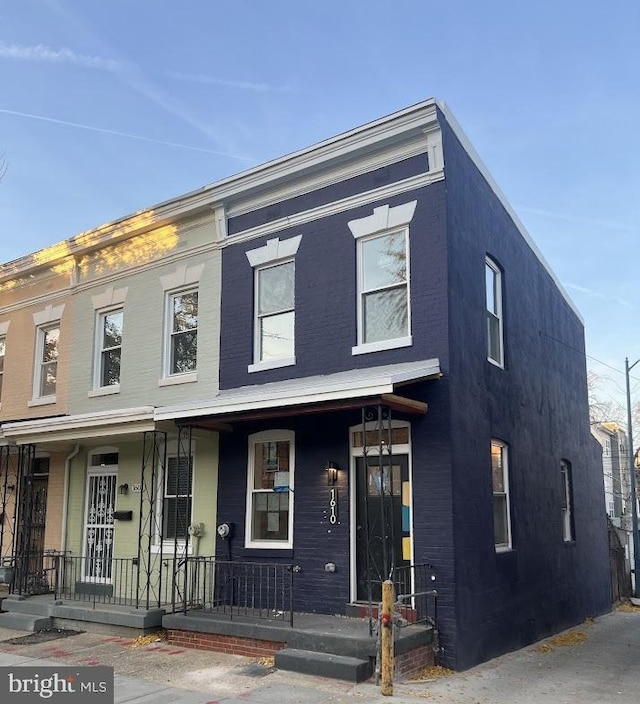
(332, 473)
(123, 489)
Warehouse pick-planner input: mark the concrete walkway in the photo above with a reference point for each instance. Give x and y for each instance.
(600, 665)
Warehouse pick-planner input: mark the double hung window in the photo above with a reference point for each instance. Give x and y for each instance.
(501, 508)
(495, 340)
(182, 334)
(384, 302)
(47, 365)
(109, 347)
(567, 502)
(177, 498)
(3, 348)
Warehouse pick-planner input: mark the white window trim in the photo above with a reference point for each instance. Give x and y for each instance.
(41, 330)
(3, 337)
(497, 272)
(274, 252)
(167, 546)
(97, 389)
(385, 220)
(254, 439)
(503, 547)
(170, 378)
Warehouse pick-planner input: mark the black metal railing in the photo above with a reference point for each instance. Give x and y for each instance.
(254, 590)
(416, 594)
(34, 572)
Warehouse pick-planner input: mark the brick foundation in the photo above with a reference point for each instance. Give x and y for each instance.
(249, 647)
(410, 663)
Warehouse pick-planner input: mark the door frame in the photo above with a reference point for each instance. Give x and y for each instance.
(354, 454)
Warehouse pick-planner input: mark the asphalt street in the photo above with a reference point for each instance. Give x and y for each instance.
(596, 663)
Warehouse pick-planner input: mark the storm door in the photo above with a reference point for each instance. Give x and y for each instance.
(382, 521)
(99, 520)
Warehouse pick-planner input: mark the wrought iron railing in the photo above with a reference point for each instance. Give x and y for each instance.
(251, 589)
(255, 590)
(416, 594)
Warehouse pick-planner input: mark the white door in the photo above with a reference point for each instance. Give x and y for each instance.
(98, 532)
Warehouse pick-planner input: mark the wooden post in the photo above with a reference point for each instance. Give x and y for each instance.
(386, 621)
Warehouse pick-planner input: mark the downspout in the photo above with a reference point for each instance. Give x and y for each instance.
(65, 495)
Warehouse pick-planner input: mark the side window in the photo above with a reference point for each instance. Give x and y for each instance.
(568, 531)
(46, 371)
(181, 344)
(501, 503)
(383, 305)
(495, 334)
(274, 303)
(3, 348)
(109, 348)
(178, 482)
(269, 520)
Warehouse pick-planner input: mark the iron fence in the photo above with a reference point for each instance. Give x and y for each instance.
(416, 596)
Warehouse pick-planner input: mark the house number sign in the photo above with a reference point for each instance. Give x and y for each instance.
(333, 507)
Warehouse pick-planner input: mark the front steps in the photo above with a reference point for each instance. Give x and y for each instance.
(309, 662)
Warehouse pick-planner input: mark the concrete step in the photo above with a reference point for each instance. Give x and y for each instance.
(20, 605)
(25, 622)
(309, 662)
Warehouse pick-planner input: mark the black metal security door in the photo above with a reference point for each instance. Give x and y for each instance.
(379, 521)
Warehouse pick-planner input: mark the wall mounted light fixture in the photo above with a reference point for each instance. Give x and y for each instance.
(123, 489)
(332, 473)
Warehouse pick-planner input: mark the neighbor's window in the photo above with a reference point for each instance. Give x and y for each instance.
(177, 497)
(567, 502)
(47, 362)
(270, 484)
(182, 335)
(109, 347)
(501, 511)
(275, 315)
(3, 347)
(495, 344)
(383, 287)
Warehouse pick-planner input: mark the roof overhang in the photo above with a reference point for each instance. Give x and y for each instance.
(62, 430)
(315, 394)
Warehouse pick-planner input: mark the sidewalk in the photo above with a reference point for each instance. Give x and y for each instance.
(598, 663)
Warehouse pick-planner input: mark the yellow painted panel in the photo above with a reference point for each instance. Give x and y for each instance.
(406, 496)
(406, 548)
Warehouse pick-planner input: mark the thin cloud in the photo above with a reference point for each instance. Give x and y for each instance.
(600, 295)
(116, 133)
(46, 54)
(213, 81)
(609, 224)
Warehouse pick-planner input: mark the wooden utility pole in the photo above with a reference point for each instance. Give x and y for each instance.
(386, 621)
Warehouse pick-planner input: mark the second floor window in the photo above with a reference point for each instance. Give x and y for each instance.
(182, 338)
(3, 347)
(47, 366)
(495, 344)
(383, 287)
(109, 347)
(275, 316)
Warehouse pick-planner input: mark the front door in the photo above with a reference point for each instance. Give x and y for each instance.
(98, 533)
(382, 521)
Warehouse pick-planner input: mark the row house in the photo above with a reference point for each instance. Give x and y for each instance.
(347, 365)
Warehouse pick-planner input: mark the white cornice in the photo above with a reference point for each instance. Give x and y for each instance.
(338, 206)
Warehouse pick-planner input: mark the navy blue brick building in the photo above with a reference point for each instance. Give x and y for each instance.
(405, 381)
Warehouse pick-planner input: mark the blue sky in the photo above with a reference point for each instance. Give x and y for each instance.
(107, 108)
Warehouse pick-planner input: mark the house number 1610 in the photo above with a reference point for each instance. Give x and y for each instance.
(333, 507)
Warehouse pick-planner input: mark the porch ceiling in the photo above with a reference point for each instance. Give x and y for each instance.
(308, 395)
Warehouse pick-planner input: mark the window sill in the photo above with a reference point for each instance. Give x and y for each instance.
(500, 365)
(271, 364)
(104, 391)
(381, 345)
(42, 401)
(502, 549)
(268, 545)
(187, 378)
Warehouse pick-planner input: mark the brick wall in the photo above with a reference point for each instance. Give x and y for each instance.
(408, 664)
(233, 645)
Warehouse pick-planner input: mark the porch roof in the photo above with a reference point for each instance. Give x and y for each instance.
(312, 394)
